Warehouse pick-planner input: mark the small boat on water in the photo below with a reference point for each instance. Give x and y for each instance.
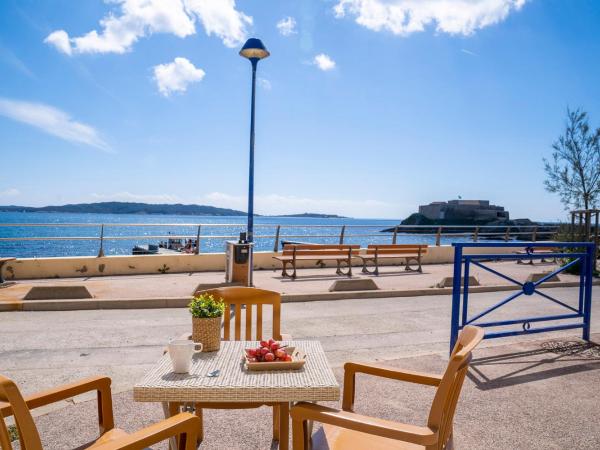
(170, 246)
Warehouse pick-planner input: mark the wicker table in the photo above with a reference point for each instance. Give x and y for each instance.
(314, 382)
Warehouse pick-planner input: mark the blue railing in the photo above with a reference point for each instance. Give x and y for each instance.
(582, 253)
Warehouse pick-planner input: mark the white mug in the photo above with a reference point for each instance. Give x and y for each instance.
(181, 351)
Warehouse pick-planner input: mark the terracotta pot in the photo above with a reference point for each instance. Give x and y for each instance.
(207, 332)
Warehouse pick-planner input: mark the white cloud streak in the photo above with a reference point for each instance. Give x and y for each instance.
(176, 76)
(324, 62)
(52, 121)
(10, 192)
(264, 83)
(276, 204)
(468, 52)
(404, 17)
(137, 19)
(287, 26)
(126, 196)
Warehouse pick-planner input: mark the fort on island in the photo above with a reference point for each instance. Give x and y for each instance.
(476, 210)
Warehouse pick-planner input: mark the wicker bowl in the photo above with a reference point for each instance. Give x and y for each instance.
(207, 332)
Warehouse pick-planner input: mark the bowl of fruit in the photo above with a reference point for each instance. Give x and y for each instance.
(273, 355)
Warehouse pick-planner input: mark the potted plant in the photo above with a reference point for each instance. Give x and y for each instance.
(206, 321)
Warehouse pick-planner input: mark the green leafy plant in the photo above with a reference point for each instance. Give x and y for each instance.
(205, 306)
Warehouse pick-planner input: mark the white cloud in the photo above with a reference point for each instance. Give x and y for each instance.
(403, 17)
(287, 26)
(52, 121)
(220, 17)
(60, 40)
(276, 204)
(324, 62)
(10, 192)
(468, 52)
(176, 76)
(129, 197)
(140, 18)
(264, 83)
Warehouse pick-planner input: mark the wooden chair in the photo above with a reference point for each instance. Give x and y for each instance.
(182, 426)
(348, 430)
(249, 298)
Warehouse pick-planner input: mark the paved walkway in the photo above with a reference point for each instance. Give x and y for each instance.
(520, 395)
(310, 282)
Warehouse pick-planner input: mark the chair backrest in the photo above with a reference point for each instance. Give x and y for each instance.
(444, 404)
(13, 404)
(250, 298)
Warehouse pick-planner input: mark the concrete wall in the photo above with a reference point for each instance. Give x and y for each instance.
(30, 268)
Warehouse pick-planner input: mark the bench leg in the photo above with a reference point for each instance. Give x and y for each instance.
(284, 271)
(409, 269)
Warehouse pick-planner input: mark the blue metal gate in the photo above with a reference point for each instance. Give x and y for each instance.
(582, 253)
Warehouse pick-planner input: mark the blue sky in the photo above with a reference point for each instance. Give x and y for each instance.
(365, 108)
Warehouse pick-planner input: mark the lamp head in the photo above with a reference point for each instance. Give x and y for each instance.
(254, 49)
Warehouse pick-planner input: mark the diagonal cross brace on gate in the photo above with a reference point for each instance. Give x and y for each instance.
(582, 253)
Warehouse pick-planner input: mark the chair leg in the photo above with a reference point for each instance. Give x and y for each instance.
(198, 412)
(300, 435)
(276, 419)
(284, 424)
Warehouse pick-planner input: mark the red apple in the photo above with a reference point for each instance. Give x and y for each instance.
(269, 357)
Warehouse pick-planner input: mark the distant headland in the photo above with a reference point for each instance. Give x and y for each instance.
(147, 208)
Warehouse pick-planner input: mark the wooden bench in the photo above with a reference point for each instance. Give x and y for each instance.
(536, 251)
(408, 252)
(341, 254)
(2, 262)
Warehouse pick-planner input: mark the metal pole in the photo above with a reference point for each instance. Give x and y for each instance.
(395, 235)
(342, 233)
(101, 251)
(276, 246)
(454, 325)
(438, 237)
(198, 240)
(587, 308)
(250, 230)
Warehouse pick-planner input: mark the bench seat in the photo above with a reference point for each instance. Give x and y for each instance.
(341, 254)
(536, 251)
(408, 252)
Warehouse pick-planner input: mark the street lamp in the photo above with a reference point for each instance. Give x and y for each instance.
(254, 50)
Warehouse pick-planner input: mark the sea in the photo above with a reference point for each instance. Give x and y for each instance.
(41, 234)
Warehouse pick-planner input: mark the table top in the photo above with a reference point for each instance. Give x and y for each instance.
(313, 382)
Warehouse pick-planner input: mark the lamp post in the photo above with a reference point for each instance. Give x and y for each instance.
(254, 50)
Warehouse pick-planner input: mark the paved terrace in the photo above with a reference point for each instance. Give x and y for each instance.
(311, 284)
(533, 392)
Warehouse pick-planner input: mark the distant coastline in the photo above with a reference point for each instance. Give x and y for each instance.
(148, 208)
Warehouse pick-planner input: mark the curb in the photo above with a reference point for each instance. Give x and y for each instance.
(182, 302)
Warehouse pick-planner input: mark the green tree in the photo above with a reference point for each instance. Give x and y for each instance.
(574, 170)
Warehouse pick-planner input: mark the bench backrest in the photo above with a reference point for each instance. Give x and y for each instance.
(396, 249)
(320, 249)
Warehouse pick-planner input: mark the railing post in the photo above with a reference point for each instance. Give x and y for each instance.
(342, 233)
(101, 250)
(534, 235)
(396, 234)
(507, 234)
(438, 237)
(198, 239)
(476, 234)
(276, 246)
(456, 282)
